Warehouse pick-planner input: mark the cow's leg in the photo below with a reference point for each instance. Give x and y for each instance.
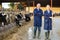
(2, 24)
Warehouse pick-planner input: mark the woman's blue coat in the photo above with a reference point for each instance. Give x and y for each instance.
(47, 20)
(38, 17)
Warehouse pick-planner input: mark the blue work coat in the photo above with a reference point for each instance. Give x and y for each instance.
(38, 17)
(47, 20)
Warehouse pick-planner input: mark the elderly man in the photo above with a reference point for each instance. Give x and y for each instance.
(37, 20)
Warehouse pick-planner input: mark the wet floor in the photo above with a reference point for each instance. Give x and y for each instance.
(55, 33)
(26, 32)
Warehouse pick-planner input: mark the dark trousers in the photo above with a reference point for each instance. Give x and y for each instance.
(35, 30)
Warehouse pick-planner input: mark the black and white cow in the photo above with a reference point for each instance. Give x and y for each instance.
(2, 19)
(18, 18)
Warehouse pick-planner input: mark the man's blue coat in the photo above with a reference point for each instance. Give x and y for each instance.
(38, 17)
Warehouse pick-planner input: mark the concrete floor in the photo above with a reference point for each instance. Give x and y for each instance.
(55, 33)
(26, 32)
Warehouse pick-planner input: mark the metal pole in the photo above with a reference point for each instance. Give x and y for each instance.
(51, 3)
(0, 5)
(28, 5)
(33, 4)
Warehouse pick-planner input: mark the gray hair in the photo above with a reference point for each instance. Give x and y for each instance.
(39, 4)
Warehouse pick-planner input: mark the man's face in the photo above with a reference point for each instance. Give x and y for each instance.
(38, 6)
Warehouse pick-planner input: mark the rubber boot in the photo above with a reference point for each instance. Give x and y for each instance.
(39, 35)
(34, 35)
(46, 35)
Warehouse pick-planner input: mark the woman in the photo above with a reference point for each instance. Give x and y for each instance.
(47, 21)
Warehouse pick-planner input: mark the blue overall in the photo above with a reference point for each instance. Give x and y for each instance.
(37, 19)
(47, 20)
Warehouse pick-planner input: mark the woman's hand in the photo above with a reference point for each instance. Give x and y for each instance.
(51, 17)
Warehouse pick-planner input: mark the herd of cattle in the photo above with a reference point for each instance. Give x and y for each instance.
(18, 18)
(56, 14)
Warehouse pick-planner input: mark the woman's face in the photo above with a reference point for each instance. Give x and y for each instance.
(48, 7)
